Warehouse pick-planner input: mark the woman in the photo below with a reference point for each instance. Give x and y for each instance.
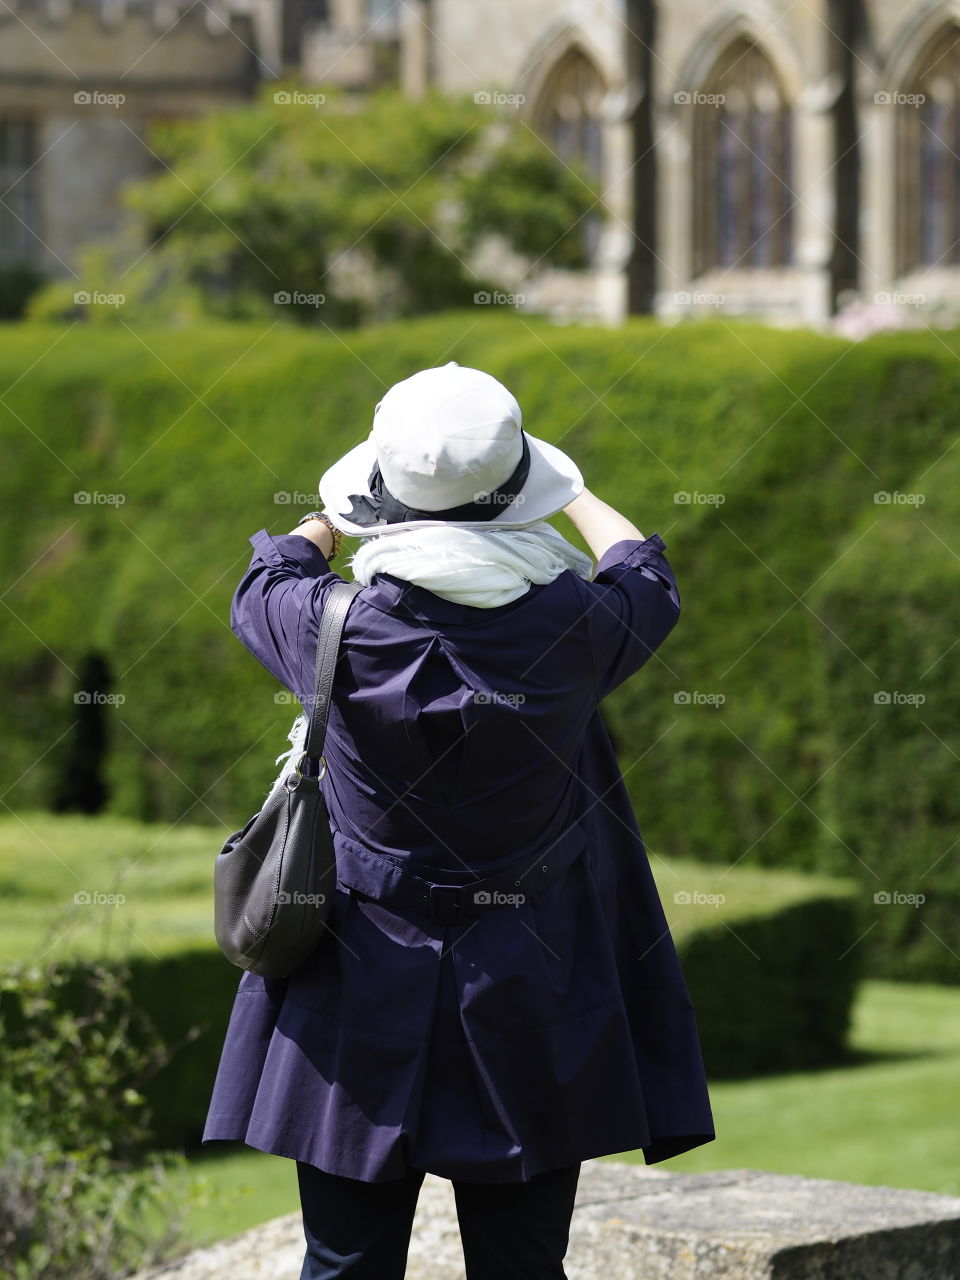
(497, 997)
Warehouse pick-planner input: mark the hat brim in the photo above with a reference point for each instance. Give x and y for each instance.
(553, 481)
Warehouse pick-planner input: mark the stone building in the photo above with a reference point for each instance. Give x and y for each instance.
(762, 156)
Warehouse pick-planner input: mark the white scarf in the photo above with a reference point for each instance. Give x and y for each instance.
(480, 567)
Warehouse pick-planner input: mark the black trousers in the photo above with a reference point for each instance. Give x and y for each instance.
(509, 1230)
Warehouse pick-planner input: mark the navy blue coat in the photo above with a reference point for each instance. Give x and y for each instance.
(549, 1030)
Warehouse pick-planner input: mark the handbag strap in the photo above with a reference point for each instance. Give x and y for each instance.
(332, 619)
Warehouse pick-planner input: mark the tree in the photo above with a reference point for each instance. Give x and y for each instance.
(338, 211)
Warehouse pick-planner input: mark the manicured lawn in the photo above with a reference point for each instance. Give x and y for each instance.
(890, 1120)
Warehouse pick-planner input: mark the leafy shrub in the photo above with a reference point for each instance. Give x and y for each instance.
(73, 1205)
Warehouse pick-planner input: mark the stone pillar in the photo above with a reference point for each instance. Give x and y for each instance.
(878, 202)
(414, 48)
(348, 15)
(673, 131)
(813, 214)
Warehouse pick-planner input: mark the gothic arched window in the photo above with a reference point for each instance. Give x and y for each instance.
(742, 164)
(928, 157)
(569, 118)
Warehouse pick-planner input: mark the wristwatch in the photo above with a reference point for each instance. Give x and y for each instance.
(337, 535)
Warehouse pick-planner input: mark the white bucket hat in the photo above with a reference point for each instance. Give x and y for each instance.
(447, 447)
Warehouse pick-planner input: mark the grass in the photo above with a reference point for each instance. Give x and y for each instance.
(887, 1120)
(160, 877)
(246, 1187)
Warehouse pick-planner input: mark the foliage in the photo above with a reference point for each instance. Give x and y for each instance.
(774, 992)
(72, 1203)
(891, 622)
(349, 213)
(801, 595)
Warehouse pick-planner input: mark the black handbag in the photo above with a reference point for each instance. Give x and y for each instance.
(274, 879)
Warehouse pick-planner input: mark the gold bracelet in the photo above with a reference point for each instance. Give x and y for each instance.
(337, 535)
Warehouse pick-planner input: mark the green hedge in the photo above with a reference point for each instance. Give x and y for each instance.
(769, 956)
(796, 431)
(891, 614)
(773, 975)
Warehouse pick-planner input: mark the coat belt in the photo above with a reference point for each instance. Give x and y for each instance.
(375, 878)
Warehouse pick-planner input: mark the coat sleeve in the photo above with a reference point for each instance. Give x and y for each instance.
(631, 606)
(276, 609)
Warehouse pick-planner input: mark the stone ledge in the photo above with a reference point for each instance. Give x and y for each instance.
(631, 1221)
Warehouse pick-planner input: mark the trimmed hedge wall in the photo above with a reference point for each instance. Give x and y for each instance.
(774, 993)
(891, 615)
(794, 431)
